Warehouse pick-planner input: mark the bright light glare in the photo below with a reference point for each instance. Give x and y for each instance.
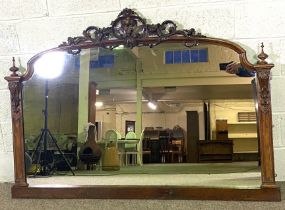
(50, 65)
(120, 47)
(98, 104)
(152, 105)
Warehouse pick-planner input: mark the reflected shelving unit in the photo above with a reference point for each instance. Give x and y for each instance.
(245, 140)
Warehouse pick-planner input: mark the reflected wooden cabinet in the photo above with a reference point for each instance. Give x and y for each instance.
(215, 151)
(245, 140)
(219, 150)
(221, 129)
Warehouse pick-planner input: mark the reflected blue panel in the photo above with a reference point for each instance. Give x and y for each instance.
(203, 55)
(103, 61)
(194, 56)
(185, 56)
(77, 62)
(177, 56)
(168, 57)
(94, 64)
(106, 61)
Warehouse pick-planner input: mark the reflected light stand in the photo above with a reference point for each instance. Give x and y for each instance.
(42, 145)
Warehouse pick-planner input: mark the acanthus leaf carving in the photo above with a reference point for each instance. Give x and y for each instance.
(264, 76)
(264, 99)
(129, 28)
(15, 90)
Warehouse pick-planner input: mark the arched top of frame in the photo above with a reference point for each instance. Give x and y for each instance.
(131, 30)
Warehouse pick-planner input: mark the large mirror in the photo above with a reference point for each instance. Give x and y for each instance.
(169, 115)
(189, 123)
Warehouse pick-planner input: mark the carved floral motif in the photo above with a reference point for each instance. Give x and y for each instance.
(263, 76)
(129, 27)
(15, 90)
(264, 94)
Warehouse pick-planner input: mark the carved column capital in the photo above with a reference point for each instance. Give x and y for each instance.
(263, 73)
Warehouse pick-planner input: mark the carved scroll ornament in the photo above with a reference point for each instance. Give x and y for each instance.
(130, 28)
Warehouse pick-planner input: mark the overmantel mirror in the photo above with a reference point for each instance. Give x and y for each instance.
(143, 111)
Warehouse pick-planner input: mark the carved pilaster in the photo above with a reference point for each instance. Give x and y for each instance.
(15, 87)
(265, 120)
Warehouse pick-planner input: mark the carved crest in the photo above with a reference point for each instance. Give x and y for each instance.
(130, 28)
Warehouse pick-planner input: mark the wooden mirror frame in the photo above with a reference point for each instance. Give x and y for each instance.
(130, 30)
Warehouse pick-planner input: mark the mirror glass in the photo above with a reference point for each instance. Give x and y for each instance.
(168, 115)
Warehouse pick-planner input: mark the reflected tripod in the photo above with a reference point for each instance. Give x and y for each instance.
(42, 145)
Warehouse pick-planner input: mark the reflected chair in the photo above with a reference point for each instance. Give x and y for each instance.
(131, 150)
(151, 146)
(146, 152)
(112, 136)
(177, 143)
(165, 145)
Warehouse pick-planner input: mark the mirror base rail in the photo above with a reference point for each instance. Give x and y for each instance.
(146, 192)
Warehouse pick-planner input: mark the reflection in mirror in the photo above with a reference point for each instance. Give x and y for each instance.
(144, 116)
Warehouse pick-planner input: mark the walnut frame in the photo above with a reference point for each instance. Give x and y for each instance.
(130, 30)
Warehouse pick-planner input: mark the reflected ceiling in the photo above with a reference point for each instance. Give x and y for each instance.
(179, 94)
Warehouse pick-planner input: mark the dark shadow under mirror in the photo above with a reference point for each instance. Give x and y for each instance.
(160, 116)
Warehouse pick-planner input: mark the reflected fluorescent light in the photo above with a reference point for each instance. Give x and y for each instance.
(98, 104)
(50, 65)
(152, 105)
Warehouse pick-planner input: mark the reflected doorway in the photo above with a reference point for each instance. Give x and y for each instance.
(130, 126)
